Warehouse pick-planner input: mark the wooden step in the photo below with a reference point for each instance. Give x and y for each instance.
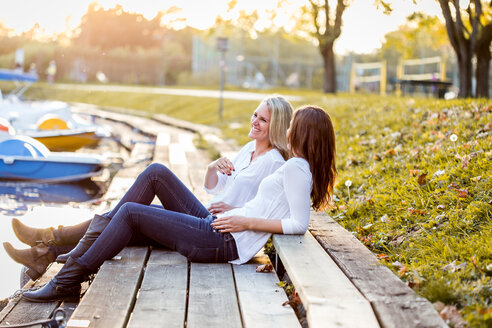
(329, 297)
(395, 304)
(111, 296)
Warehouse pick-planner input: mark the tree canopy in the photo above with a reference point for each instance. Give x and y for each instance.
(114, 27)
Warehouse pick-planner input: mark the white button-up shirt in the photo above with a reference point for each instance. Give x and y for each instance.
(242, 185)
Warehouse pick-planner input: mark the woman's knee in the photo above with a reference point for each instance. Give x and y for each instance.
(157, 170)
(127, 212)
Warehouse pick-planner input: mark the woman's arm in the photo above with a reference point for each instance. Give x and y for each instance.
(222, 165)
(237, 223)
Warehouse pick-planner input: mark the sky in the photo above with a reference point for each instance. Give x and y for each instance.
(363, 30)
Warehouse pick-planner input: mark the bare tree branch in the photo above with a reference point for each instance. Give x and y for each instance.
(338, 18)
(327, 15)
(450, 26)
(315, 14)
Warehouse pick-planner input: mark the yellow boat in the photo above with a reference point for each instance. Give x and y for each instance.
(70, 141)
(56, 134)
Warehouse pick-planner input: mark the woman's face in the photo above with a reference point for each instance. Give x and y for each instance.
(260, 123)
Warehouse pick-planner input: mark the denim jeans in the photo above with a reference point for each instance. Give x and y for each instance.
(181, 224)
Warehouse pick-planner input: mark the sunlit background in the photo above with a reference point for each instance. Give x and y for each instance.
(363, 28)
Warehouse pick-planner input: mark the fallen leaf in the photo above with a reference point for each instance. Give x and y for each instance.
(383, 257)
(397, 264)
(453, 185)
(414, 211)
(465, 161)
(294, 301)
(452, 316)
(421, 180)
(402, 270)
(390, 152)
(264, 268)
(397, 241)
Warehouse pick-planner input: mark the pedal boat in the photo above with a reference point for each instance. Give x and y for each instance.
(50, 122)
(24, 158)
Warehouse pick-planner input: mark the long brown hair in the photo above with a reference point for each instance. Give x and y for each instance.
(312, 137)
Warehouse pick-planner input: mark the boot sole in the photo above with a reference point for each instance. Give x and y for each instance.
(70, 299)
(61, 260)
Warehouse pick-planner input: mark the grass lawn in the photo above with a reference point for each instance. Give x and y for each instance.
(414, 185)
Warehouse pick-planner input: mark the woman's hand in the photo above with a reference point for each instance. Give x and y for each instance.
(219, 207)
(223, 165)
(233, 223)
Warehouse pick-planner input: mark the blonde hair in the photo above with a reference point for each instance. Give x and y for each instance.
(280, 115)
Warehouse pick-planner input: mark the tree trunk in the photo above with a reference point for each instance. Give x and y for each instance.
(482, 51)
(465, 70)
(482, 73)
(330, 74)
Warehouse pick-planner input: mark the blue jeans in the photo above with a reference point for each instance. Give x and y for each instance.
(182, 224)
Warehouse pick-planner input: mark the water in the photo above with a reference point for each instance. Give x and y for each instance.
(35, 216)
(15, 197)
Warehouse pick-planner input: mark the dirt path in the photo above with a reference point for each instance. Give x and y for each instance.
(238, 95)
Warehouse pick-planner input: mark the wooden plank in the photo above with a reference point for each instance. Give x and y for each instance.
(328, 296)
(395, 304)
(111, 296)
(212, 297)
(197, 167)
(161, 300)
(21, 311)
(141, 156)
(178, 163)
(261, 299)
(161, 150)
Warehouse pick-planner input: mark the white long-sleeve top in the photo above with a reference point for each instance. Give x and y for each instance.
(242, 185)
(284, 195)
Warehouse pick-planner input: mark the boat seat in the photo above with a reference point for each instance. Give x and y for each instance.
(23, 146)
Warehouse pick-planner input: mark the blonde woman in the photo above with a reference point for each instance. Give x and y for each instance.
(232, 182)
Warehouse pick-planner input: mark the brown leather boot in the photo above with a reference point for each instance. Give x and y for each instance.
(33, 236)
(36, 258)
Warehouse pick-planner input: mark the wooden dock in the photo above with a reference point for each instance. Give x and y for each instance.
(339, 281)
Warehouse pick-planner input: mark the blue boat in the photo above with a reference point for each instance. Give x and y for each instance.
(24, 158)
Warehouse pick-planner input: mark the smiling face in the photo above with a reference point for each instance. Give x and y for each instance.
(260, 123)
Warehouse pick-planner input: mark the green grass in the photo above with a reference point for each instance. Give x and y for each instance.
(417, 199)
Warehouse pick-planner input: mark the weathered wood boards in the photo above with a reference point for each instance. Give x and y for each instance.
(213, 300)
(161, 301)
(330, 299)
(395, 304)
(261, 299)
(20, 311)
(109, 300)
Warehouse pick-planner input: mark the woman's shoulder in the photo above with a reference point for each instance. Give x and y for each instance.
(297, 164)
(275, 155)
(246, 149)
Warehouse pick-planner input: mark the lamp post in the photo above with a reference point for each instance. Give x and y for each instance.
(222, 46)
